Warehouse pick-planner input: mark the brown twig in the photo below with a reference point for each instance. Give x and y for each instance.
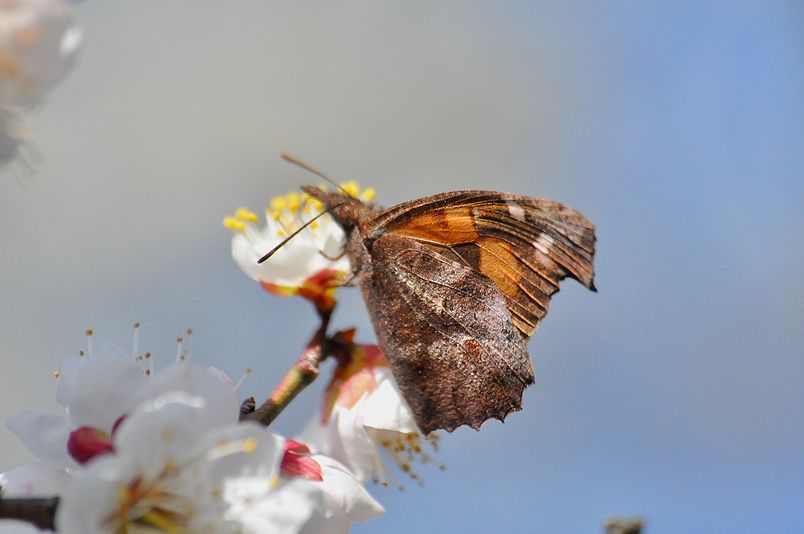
(40, 512)
(298, 377)
(616, 525)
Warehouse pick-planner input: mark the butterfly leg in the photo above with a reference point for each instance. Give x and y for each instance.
(333, 258)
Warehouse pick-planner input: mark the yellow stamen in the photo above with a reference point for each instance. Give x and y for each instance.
(317, 205)
(245, 214)
(278, 203)
(351, 187)
(233, 224)
(294, 201)
(56, 374)
(369, 194)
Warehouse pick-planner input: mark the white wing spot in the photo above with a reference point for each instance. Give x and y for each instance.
(543, 243)
(516, 211)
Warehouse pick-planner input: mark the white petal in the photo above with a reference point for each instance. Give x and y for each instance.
(289, 266)
(345, 439)
(164, 431)
(220, 400)
(34, 480)
(285, 510)
(97, 390)
(243, 450)
(385, 407)
(44, 435)
(92, 497)
(344, 494)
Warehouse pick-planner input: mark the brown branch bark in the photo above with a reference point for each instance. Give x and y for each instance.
(631, 525)
(40, 512)
(299, 376)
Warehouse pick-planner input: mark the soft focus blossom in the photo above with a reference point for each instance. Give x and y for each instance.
(316, 493)
(38, 44)
(363, 414)
(145, 451)
(39, 40)
(99, 389)
(312, 264)
(173, 458)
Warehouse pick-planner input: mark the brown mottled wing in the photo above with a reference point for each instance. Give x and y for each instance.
(525, 245)
(447, 333)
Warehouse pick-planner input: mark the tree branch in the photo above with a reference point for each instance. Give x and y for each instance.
(298, 377)
(40, 512)
(616, 525)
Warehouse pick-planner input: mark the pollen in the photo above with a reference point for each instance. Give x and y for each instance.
(233, 224)
(56, 374)
(405, 449)
(316, 205)
(89, 332)
(245, 214)
(294, 201)
(352, 188)
(369, 194)
(278, 203)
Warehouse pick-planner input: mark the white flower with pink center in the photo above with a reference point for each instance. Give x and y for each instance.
(172, 459)
(365, 416)
(98, 390)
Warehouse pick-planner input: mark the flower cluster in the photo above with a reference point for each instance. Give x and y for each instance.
(164, 451)
(39, 40)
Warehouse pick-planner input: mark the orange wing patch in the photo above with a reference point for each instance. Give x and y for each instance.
(526, 246)
(447, 226)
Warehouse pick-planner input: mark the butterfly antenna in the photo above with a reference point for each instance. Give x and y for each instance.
(295, 233)
(307, 167)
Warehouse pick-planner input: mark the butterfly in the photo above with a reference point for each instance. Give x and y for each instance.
(456, 284)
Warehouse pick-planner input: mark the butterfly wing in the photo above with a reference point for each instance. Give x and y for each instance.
(525, 245)
(448, 335)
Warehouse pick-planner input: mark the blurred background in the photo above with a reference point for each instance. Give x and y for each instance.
(675, 393)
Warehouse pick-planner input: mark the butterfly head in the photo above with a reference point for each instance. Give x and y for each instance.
(348, 211)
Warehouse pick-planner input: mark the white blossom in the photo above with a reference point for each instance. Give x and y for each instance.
(172, 458)
(39, 40)
(313, 259)
(365, 419)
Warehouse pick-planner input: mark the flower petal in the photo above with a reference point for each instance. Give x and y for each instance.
(344, 493)
(386, 408)
(34, 480)
(220, 398)
(97, 390)
(44, 435)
